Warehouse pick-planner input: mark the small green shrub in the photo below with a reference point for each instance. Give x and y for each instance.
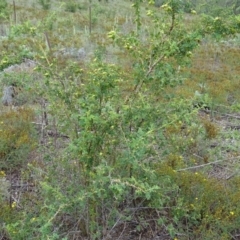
(71, 6)
(45, 4)
(220, 25)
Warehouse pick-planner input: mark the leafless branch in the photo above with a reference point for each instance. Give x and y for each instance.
(200, 166)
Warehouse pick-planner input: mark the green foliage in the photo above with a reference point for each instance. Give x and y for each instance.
(113, 146)
(4, 11)
(13, 54)
(22, 29)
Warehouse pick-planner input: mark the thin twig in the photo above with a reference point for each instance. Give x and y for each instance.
(14, 13)
(236, 127)
(22, 185)
(230, 115)
(122, 231)
(207, 164)
(199, 166)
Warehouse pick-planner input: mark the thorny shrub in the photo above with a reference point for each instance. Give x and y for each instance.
(130, 145)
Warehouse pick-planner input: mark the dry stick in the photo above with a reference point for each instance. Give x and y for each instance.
(206, 164)
(47, 41)
(44, 119)
(45, 116)
(14, 13)
(233, 127)
(122, 231)
(10, 197)
(199, 166)
(55, 132)
(43, 103)
(115, 224)
(230, 115)
(22, 185)
(90, 18)
(172, 23)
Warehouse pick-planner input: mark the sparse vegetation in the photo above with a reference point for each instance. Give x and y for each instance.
(127, 129)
